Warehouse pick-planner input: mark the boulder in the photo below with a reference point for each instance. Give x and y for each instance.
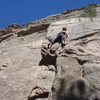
(69, 87)
(49, 54)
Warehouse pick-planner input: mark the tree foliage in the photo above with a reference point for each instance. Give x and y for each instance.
(89, 11)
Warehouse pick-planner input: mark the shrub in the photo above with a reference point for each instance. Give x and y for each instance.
(89, 11)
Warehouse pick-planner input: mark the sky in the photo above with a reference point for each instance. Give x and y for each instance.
(25, 11)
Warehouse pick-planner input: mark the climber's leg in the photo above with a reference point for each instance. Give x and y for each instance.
(52, 42)
(62, 41)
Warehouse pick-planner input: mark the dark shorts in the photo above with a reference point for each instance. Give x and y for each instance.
(59, 38)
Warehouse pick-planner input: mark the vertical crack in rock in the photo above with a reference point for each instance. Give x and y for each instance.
(82, 62)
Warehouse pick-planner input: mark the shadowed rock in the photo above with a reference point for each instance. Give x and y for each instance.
(70, 88)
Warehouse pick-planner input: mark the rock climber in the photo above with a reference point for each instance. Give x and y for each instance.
(60, 37)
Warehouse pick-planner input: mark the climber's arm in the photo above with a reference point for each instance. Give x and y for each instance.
(66, 35)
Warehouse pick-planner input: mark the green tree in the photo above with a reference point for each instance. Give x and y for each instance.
(89, 11)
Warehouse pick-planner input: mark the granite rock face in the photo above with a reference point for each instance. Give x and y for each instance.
(20, 73)
(29, 70)
(78, 59)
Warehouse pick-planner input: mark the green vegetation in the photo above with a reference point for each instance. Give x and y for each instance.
(92, 83)
(89, 11)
